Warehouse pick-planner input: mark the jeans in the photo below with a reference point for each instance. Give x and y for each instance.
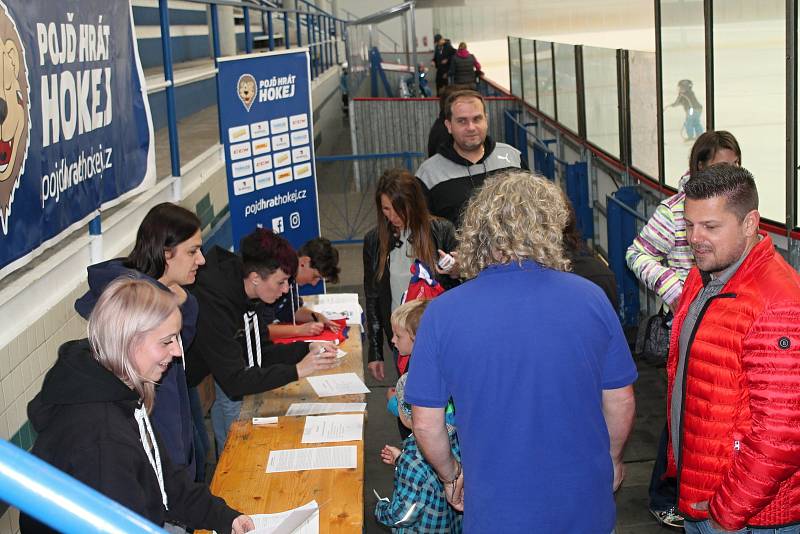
(663, 491)
(692, 124)
(224, 412)
(704, 527)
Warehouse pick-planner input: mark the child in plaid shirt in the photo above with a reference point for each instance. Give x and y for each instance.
(418, 504)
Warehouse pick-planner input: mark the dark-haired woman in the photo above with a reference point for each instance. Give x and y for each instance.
(167, 254)
(232, 342)
(405, 231)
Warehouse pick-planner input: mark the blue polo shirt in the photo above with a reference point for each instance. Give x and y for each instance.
(526, 353)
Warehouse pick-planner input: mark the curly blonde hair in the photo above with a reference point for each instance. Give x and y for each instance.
(515, 216)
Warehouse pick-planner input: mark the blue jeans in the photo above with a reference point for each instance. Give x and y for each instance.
(692, 124)
(704, 527)
(223, 413)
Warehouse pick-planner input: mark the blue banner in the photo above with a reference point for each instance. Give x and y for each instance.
(75, 128)
(265, 119)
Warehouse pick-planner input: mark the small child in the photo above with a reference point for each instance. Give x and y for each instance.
(405, 321)
(418, 503)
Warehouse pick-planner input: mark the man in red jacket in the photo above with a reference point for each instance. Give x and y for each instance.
(734, 367)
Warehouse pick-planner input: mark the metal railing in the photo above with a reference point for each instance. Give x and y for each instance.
(60, 501)
(324, 34)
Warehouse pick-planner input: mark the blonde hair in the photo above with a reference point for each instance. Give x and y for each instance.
(126, 311)
(515, 216)
(408, 315)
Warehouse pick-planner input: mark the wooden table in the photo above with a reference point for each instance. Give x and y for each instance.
(241, 479)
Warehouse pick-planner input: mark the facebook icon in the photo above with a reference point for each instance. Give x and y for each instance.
(277, 225)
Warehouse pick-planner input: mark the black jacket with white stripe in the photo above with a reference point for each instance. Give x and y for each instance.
(220, 346)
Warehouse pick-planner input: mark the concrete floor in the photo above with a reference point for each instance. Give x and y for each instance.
(200, 131)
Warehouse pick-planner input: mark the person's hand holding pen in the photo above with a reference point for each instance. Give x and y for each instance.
(330, 325)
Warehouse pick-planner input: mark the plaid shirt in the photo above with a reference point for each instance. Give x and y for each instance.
(418, 504)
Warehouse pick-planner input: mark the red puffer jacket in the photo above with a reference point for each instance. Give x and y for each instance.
(740, 428)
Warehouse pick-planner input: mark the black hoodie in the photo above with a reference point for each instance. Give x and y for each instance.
(219, 346)
(84, 416)
(172, 415)
(448, 180)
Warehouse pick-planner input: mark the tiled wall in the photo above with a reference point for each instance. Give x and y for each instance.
(23, 364)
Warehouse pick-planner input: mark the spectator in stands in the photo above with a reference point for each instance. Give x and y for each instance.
(167, 254)
(439, 134)
(230, 344)
(734, 372)
(464, 67)
(661, 257)
(449, 177)
(92, 414)
(584, 261)
(442, 53)
(405, 231)
(538, 368)
(317, 260)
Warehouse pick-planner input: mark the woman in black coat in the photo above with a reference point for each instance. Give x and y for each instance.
(92, 414)
(405, 231)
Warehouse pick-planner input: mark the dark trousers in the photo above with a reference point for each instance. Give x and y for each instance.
(663, 491)
(201, 443)
(441, 80)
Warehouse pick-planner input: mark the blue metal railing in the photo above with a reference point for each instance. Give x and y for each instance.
(60, 501)
(316, 40)
(621, 218)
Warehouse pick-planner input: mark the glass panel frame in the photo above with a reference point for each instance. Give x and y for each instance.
(515, 66)
(683, 83)
(601, 98)
(643, 111)
(750, 92)
(566, 85)
(544, 78)
(529, 85)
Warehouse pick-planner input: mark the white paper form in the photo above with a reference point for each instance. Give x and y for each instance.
(338, 384)
(340, 457)
(333, 428)
(301, 520)
(340, 305)
(337, 298)
(314, 408)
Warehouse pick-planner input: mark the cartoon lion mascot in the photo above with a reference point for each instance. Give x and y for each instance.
(246, 87)
(14, 113)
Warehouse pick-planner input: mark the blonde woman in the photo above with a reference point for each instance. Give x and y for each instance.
(537, 366)
(93, 413)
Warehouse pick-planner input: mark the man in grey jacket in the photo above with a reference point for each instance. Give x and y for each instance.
(449, 177)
